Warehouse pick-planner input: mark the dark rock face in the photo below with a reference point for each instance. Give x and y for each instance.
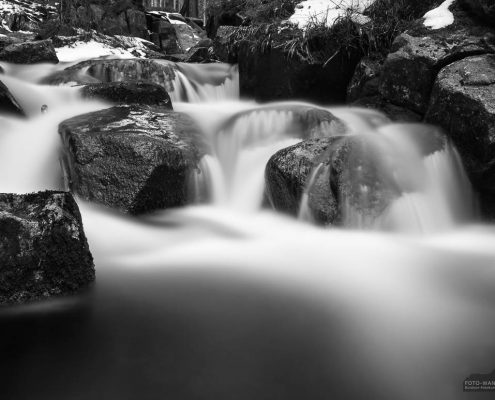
(30, 52)
(113, 17)
(484, 9)
(365, 80)
(349, 178)
(159, 72)
(463, 103)
(288, 172)
(132, 158)
(128, 93)
(418, 55)
(43, 249)
(274, 75)
(8, 103)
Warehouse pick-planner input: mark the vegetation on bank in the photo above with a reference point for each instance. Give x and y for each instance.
(265, 26)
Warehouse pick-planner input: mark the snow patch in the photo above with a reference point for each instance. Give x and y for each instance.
(439, 17)
(329, 11)
(80, 51)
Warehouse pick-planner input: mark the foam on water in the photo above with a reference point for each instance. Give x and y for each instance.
(420, 310)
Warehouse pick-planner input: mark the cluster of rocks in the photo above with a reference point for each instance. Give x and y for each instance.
(445, 77)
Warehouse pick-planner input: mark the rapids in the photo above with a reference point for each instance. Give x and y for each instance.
(227, 299)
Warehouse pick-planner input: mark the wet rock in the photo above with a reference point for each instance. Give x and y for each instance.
(159, 72)
(393, 112)
(198, 55)
(30, 52)
(8, 103)
(43, 249)
(288, 172)
(463, 103)
(418, 55)
(347, 181)
(133, 158)
(128, 93)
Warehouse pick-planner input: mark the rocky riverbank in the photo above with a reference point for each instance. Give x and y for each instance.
(140, 155)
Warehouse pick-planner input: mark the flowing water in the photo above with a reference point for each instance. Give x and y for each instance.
(228, 299)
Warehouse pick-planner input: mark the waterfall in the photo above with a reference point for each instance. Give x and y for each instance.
(226, 296)
(196, 84)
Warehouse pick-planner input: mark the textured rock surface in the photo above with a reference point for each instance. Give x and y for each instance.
(418, 55)
(43, 249)
(349, 180)
(30, 52)
(128, 93)
(132, 158)
(463, 103)
(160, 72)
(8, 104)
(287, 173)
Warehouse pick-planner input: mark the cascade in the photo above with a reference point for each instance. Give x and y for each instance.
(197, 295)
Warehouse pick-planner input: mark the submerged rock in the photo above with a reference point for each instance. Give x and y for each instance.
(418, 55)
(128, 93)
(30, 52)
(133, 158)
(8, 103)
(463, 103)
(345, 177)
(288, 172)
(304, 121)
(43, 248)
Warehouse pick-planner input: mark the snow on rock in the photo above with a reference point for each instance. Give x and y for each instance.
(104, 46)
(439, 17)
(329, 11)
(80, 50)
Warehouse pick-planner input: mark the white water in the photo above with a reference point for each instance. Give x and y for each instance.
(420, 309)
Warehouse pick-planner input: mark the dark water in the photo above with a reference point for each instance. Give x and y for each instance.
(156, 337)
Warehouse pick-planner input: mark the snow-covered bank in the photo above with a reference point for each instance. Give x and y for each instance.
(439, 17)
(328, 11)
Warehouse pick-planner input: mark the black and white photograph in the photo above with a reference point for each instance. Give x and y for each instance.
(247, 200)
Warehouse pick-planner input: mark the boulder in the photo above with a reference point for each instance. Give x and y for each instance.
(133, 158)
(30, 52)
(463, 103)
(287, 174)
(159, 72)
(128, 93)
(43, 248)
(346, 178)
(418, 55)
(8, 103)
(484, 9)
